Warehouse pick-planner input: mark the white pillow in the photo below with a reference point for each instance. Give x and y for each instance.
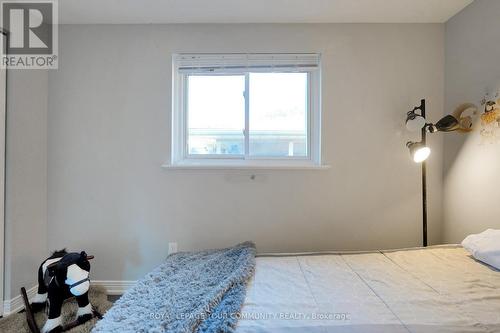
(485, 247)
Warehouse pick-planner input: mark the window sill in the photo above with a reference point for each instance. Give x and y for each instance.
(193, 165)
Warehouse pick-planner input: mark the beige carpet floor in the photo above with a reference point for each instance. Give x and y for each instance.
(16, 323)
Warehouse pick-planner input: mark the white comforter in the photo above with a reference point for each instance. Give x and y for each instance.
(438, 289)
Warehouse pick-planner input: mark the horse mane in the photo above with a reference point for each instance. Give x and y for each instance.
(59, 253)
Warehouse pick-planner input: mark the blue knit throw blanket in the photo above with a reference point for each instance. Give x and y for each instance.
(191, 292)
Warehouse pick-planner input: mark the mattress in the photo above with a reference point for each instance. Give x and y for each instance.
(435, 289)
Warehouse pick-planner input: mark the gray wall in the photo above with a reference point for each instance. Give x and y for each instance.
(26, 178)
(109, 133)
(472, 178)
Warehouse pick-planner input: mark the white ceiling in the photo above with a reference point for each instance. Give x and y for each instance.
(258, 11)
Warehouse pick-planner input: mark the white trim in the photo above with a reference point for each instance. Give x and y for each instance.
(3, 131)
(315, 111)
(178, 146)
(238, 62)
(113, 287)
(16, 304)
(265, 165)
(179, 156)
(246, 131)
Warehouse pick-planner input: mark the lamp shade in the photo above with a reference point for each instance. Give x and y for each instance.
(446, 124)
(418, 151)
(414, 122)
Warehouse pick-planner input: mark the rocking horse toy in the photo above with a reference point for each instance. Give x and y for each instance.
(61, 276)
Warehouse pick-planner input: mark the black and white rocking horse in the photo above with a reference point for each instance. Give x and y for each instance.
(61, 276)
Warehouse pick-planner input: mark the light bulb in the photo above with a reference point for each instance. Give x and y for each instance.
(421, 154)
(418, 151)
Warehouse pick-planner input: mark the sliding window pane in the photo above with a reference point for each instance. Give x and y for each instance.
(278, 114)
(216, 114)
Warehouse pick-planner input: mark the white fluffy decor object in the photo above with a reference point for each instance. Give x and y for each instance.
(485, 247)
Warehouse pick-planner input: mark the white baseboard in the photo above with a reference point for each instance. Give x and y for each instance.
(114, 287)
(16, 304)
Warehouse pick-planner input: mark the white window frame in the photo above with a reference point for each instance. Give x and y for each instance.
(180, 157)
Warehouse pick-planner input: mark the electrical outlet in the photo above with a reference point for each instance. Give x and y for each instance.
(172, 248)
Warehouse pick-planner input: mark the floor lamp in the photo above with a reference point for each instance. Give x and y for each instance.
(416, 121)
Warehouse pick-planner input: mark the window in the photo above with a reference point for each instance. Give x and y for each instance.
(246, 110)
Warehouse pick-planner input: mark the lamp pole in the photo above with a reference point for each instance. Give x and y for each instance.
(424, 179)
(420, 151)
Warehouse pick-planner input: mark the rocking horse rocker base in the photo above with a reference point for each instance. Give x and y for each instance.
(30, 316)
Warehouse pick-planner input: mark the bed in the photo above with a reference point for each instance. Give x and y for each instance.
(436, 289)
